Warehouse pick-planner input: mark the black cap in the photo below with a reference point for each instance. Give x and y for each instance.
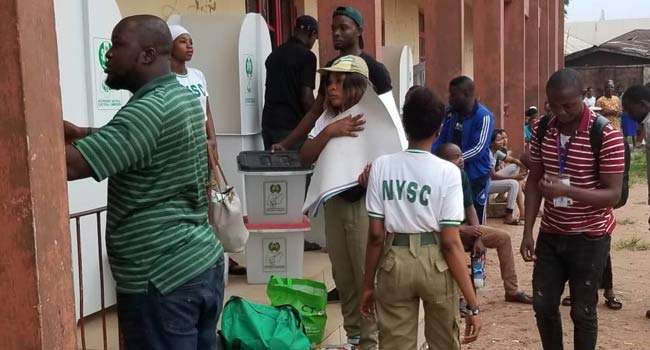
(307, 23)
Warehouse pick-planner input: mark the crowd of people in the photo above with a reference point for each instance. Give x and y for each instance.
(389, 250)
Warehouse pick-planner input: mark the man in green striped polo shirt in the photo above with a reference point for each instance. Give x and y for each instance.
(166, 261)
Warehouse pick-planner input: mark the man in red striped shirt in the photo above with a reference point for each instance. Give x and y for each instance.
(579, 192)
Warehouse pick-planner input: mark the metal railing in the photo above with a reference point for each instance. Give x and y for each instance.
(77, 219)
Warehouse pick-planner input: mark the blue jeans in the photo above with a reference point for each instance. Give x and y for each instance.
(184, 319)
(580, 260)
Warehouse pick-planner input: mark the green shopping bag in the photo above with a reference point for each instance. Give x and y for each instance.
(307, 296)
(250, 326)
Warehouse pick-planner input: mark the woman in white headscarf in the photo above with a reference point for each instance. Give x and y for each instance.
(191, 78)
(194, 80)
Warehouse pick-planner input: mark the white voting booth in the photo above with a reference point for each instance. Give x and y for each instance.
(231, 51)
(83, 30)
(399, 62)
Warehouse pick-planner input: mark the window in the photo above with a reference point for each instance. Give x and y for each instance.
(422, 42)
(280, 15)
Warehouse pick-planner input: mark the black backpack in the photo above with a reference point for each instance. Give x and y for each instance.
(596, 140)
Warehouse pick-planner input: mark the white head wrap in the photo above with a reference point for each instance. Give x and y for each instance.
(177, 31)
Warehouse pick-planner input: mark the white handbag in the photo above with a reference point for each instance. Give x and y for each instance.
(226, 211)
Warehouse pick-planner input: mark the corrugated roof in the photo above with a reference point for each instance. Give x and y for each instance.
(634, 43)
(587, 34)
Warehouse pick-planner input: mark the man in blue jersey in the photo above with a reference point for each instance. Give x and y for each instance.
(469, 125)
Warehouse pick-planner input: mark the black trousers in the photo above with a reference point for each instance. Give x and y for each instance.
(580, 260)
(608, 278)
(479, 190)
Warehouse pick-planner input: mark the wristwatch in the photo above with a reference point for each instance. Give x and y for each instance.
(472, 311)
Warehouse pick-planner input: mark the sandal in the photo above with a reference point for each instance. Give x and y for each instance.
(566, 301)
(462, 308)
(235, 269)
(311, 246)
(514, 222)
(613, 303)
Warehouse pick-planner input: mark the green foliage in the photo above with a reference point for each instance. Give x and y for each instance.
(638, 167)
(635, 244)
(625, 221)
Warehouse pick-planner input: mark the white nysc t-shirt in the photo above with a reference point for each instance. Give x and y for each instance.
(415, 192)
(194, 81)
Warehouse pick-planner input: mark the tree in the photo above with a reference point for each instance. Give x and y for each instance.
(566, 4)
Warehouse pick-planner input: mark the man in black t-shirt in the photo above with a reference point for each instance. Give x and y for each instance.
(290, 83)
(347, 29)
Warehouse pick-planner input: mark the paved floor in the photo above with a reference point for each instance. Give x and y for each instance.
(317, 267)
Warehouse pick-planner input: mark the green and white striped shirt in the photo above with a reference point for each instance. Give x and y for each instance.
(154, 153)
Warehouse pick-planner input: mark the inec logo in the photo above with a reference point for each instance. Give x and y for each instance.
(249, 67)
(276, 188)
(101, 52)
(104, 46)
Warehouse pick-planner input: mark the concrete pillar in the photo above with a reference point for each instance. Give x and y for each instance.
(560, 38)
(532, 55)
(371, 12)
(444, 31)
(488, 56)
(35, 252)
(468, 48)
(544, 71)
(515, 73)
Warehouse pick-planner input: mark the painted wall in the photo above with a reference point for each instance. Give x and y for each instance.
(401, 24)
(468, 57)
(165, 8)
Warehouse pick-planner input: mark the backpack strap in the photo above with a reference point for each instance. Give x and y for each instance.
(542, 126)
(596, 138)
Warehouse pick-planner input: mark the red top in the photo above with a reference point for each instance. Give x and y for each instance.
(580, 166)
(305, 225)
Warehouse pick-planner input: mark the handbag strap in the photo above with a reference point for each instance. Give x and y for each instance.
(213, 166)
(216, 167)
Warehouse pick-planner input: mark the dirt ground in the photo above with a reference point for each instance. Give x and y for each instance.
(512, 326)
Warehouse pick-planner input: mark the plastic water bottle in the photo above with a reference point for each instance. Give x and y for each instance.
(478, 272)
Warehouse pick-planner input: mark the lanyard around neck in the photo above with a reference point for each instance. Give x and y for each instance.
(563, 153)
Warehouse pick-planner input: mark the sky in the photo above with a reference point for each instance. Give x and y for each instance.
(590, 10)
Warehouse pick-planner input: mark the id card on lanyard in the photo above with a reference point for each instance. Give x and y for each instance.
(562, 155)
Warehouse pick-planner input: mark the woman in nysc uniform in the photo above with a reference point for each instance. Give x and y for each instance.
(417, 198)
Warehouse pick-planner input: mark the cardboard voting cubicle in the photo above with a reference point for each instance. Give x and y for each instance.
(83, 30)
(344, 158)
(399, 62)
(231, 51)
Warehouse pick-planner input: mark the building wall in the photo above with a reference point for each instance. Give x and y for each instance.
(401, 24)
(468, 58)
(622, 76)
(165, 8)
